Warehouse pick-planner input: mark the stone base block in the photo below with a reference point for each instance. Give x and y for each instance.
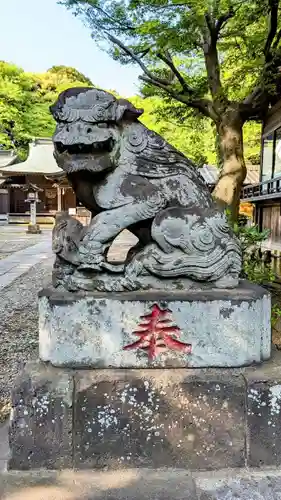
(264, 414)
(153, 418)
(127, 418)
(207, 328)
(41, 419)
(189, 419)
(33, 229)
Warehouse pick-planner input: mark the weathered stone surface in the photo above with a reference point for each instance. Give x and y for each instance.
(264, 423)
(33, 229)
(265, 487)
(130, 177)
(144, 418)
(226, 328)
(133, 484)
(41, 419)
(141, 484)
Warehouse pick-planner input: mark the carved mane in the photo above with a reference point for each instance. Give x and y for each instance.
(93, 106)
(155, 157)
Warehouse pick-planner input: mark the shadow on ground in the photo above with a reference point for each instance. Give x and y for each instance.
(141, 484)
(121, 485)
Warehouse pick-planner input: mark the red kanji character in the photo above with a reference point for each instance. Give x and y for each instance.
(156, 334)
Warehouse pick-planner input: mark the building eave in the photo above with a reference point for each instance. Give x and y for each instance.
(40, 161)
(210, 174)
(7, 158)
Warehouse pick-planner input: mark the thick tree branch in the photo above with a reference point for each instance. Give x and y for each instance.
(277, 40)
(120, 26)
(167, 59)
(210, 25)
(129, 52)
(202, 105)
(213, 69)
(255, 104)
(211, 57)
(254, 97)
(223, 19)
(273, 23)
(215, 27)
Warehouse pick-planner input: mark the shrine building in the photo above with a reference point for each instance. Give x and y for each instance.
(40, 170)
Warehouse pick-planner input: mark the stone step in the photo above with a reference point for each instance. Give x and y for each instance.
(122, 419)
(141, 484)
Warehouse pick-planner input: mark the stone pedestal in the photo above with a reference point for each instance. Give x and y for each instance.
(193, 419)
(126, 418)
(41, 419)
(188, 419)
(197, 328)
(33, 229)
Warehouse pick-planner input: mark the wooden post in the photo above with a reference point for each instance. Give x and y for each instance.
(59, 198)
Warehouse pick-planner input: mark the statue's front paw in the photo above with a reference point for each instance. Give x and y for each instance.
(91, 262)
(91, 256)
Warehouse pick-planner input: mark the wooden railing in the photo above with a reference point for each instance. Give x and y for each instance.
(266, 189)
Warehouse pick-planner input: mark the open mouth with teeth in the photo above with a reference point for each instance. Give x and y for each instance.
(94, 157)
(97, 148)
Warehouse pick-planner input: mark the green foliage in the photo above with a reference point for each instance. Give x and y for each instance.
(275, 314)
(25, 99)
(65, 73)
(152, 26)
(257, 272)
(197, 134)
(252, 142)
(253, 268)
(215, 51)
(16, 92)
(250, 237)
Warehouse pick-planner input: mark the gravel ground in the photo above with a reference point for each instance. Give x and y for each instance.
(19, 327)
(13, 242)
(18, 309)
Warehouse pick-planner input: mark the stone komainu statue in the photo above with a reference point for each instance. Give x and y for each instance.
(130, 177)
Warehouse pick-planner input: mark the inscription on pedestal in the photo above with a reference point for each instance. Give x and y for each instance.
(157, 334)
(198, 328)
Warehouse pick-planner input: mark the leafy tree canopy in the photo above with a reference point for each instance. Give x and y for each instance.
(25, 99)
(221, 58)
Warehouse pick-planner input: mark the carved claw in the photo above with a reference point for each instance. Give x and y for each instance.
(92, 256)
(90, 267)
(114, 268)
(89, 261)
(92, 249)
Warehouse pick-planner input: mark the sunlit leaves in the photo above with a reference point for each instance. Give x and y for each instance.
(25, 99)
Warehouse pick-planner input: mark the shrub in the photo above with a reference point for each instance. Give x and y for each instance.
(254, 267)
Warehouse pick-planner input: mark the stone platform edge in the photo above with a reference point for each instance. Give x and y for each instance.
(245, 291)
(194, 419)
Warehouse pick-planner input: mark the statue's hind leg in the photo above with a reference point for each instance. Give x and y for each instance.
(190, 243)
(142, 231)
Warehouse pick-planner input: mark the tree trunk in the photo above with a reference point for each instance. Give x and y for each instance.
(233, 173)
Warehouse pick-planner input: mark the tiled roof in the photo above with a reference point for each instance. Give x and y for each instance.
(39, 161)
(7, 157)
(210, 174)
